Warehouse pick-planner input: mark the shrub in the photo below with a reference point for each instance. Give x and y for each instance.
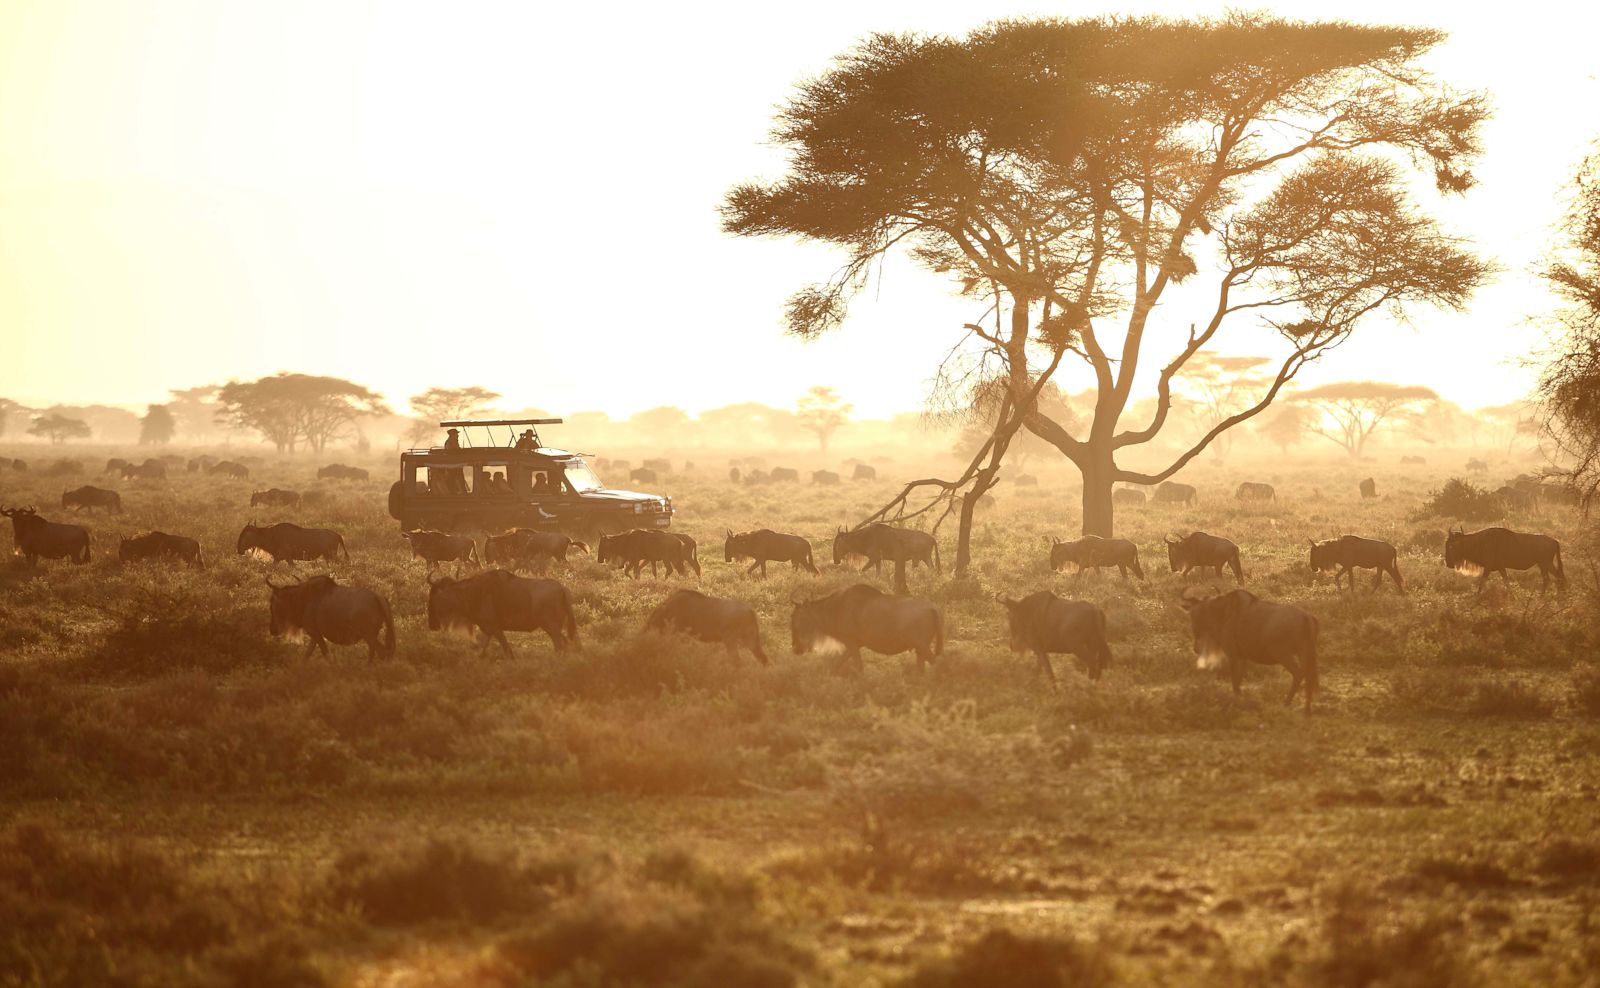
(1001, 957)
(440, 880)
(1459, 499)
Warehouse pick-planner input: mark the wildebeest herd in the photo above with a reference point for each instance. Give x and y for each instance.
(1229, 629)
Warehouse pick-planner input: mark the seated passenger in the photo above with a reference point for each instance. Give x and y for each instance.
(525, 442)
(541, 484)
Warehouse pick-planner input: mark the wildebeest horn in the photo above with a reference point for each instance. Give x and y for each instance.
(276, 586)
(433, 583)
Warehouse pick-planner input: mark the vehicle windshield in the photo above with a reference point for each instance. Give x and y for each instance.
(580, 477)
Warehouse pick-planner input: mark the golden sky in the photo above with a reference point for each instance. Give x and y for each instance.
(523, 196)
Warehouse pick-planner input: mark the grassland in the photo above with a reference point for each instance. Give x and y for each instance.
(185, 801)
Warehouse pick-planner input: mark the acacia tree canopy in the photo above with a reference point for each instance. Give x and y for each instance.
(1353, 410)
(59, 428)
(1570, 385)
(1076, 170)
(287, 409)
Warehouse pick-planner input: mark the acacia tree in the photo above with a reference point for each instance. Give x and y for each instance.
(1351, 411)
(822, 411)
(157, 426)
(447, 404)
(1076, 171)
(287, 409)
(1569, 387)
(1286, 425)
(1218, 386)
(59, 428)
(8, 408)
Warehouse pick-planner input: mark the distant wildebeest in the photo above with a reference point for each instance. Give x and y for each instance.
(1369, 488)
(878, 542)
(228, 468)
(784, 475)
(1413, 461)
(1025, 480)
(89, 497)
(287, 542)
(275, 498)
(631, 550)
(1496, 550)
(1558, 493)
(1093, 552)
(160, 545)
(1197, 550)
(35, 538)
(718, 620)
(20, 466)
(199, 463)
(496, 602)
(116, 465)
(1127, 495)
(1476, 465)
(524, 548)
(621, 466)
(1343, 555)
(764, 545)
(441, 547)
(864, 472)
(64, 468)
(338, 471)
(824, 478)
(863, 616)
(733, 475)
(662, 467)
(324, 612)
(1172, 492)
(1249, 491)
(1516, 498)
(1043, 623)
(642, 475)
(755, 477)
(151, 469)
(1236, 627)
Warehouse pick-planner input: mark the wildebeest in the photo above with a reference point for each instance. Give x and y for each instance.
(523, 548)
(202, 462)
(1475, 465)
(1197, 550)
(764, 545)
(1558, 493)
(1496, 550)
(275, 498)
(864, 471)
(1236, 627)
(732, 623)
(497, 601)
(20, 466)
(287, 542)
(642, 475)
(1351, 552)
(151, 469)
(1172, 492)
(621, 466)
(1025, 480)
(691, 552)
(63, 468)
(88, 497)
(660, 466)
(338, 471)
(631, 550)
(1127, 495)
(754, 477)
(1093, 552)
(1516, 498)
(116, 465)
(1369, 488)
(1249, 491)
(824, 478)
(877, 542)
(1415, 461)
(327, 612)
(733, 475)
(34, 538)
(1043, 623)
(441, 547)
(228, 468)
(784, 475)
(863, 616)
(160, 545)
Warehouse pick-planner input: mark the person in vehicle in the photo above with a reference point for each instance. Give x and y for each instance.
(526, 442)
(542, 485)
(452, 439)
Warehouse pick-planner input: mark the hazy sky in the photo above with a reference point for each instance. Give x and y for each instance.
(523, 196)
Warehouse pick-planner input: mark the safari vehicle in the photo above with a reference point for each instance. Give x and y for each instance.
(522, 484)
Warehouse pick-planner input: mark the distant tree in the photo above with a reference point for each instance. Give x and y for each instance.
(1353, 410)
(663, 425)
(822, 411)
(9, 408)
(194, 411)
(158, 425)
(1569, 387)
(1217, 387)
(59, 428)
(451, 404)
(1286, 425)
(288, 409)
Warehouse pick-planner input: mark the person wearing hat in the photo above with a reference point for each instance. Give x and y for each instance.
(526, 443)
(452, 439)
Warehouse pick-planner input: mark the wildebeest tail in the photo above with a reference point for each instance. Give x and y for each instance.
(344, 549)
(199, 556)
(938, 631)
(938, 567)
(388, 628)
(1105, 645)
(1312, 687)
(83, 557)
(1561, 571)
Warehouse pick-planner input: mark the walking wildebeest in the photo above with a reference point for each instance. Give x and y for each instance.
(1197, 550)
(228, 468)
(642, 475)
(878, 541)
(63, 468)
(338, 471)
(1093, 552)
(1516, 499)
(864, 471)
(1127, 495)
(88, 497)
(20, 466)
(326, 612)
(275, 498)
(733, 475)
(1172, 492)
(1343, 555)
(1476, 465)
(1025, 480)
(824, 478)
(287, 542)
(1369, 488)
(441, 547)
(1249, 491)
(160, 545)
(784, 475)
(116, 465)
(1495, 550)
(731, 623)
(633, 549)
(35, 538)
(496, 602)
(863, 616)
(662, 467)
(755, 477)
(151, 469)
(522, 548)
(1043, 623)
(202, 462)
(1236, 627)
(763, 546)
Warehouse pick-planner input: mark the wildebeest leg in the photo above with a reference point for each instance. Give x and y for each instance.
(1236, 671)
(1294, 683)
(311, 646)
(1377, 578)
(753, 567)
(853, 656)
(500, 636)
(1049, 672)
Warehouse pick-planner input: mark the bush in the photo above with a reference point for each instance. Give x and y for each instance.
(1001, 957)
(441, 880)
(1364, 948)
(1585, 692)
(1459, 499)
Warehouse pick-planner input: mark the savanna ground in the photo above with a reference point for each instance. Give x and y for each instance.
(185, 801)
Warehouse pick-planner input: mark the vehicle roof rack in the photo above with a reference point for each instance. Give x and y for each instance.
(489, 423)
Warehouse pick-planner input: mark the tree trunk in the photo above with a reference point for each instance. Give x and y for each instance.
(1098, 478)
